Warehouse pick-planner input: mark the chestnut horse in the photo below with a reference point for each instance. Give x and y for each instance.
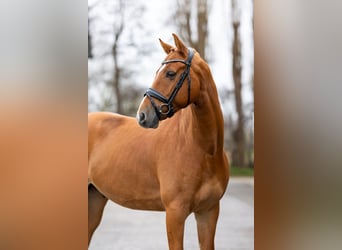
(176, 165)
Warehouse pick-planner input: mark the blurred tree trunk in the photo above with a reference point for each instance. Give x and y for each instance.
(117, 70)
(238, 154)
(90, 55)
(117, 73)
(202, 27)
(90, 45)
(183, 16)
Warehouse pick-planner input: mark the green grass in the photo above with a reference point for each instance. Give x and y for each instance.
(237, 171)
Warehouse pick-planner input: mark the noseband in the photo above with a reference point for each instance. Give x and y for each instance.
(167, 102)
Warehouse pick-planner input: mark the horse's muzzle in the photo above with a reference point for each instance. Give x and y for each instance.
(147, 119)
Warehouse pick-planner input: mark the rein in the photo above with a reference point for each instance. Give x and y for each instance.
(167, 102)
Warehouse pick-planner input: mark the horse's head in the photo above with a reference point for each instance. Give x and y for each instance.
(175, 86)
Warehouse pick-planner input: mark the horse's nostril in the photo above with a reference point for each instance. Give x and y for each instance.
(142, 117)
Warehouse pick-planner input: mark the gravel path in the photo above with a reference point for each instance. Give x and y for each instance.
(126, 229)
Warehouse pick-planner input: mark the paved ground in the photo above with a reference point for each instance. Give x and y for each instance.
(126, 229)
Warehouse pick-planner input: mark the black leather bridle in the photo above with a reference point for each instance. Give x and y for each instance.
(167, 102)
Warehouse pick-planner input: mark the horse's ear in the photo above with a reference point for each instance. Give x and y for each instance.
(179, 44)
(167, 47)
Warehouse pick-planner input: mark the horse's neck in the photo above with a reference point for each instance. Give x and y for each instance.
(207, 119)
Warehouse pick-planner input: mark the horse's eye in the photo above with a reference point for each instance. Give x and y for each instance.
(171, 74)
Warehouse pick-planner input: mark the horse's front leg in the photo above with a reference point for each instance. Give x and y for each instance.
(96, 204)
(206, 227)
(175, 220)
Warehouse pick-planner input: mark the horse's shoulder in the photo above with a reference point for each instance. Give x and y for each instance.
(106, 120)
(99, 116)
(100, 124)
